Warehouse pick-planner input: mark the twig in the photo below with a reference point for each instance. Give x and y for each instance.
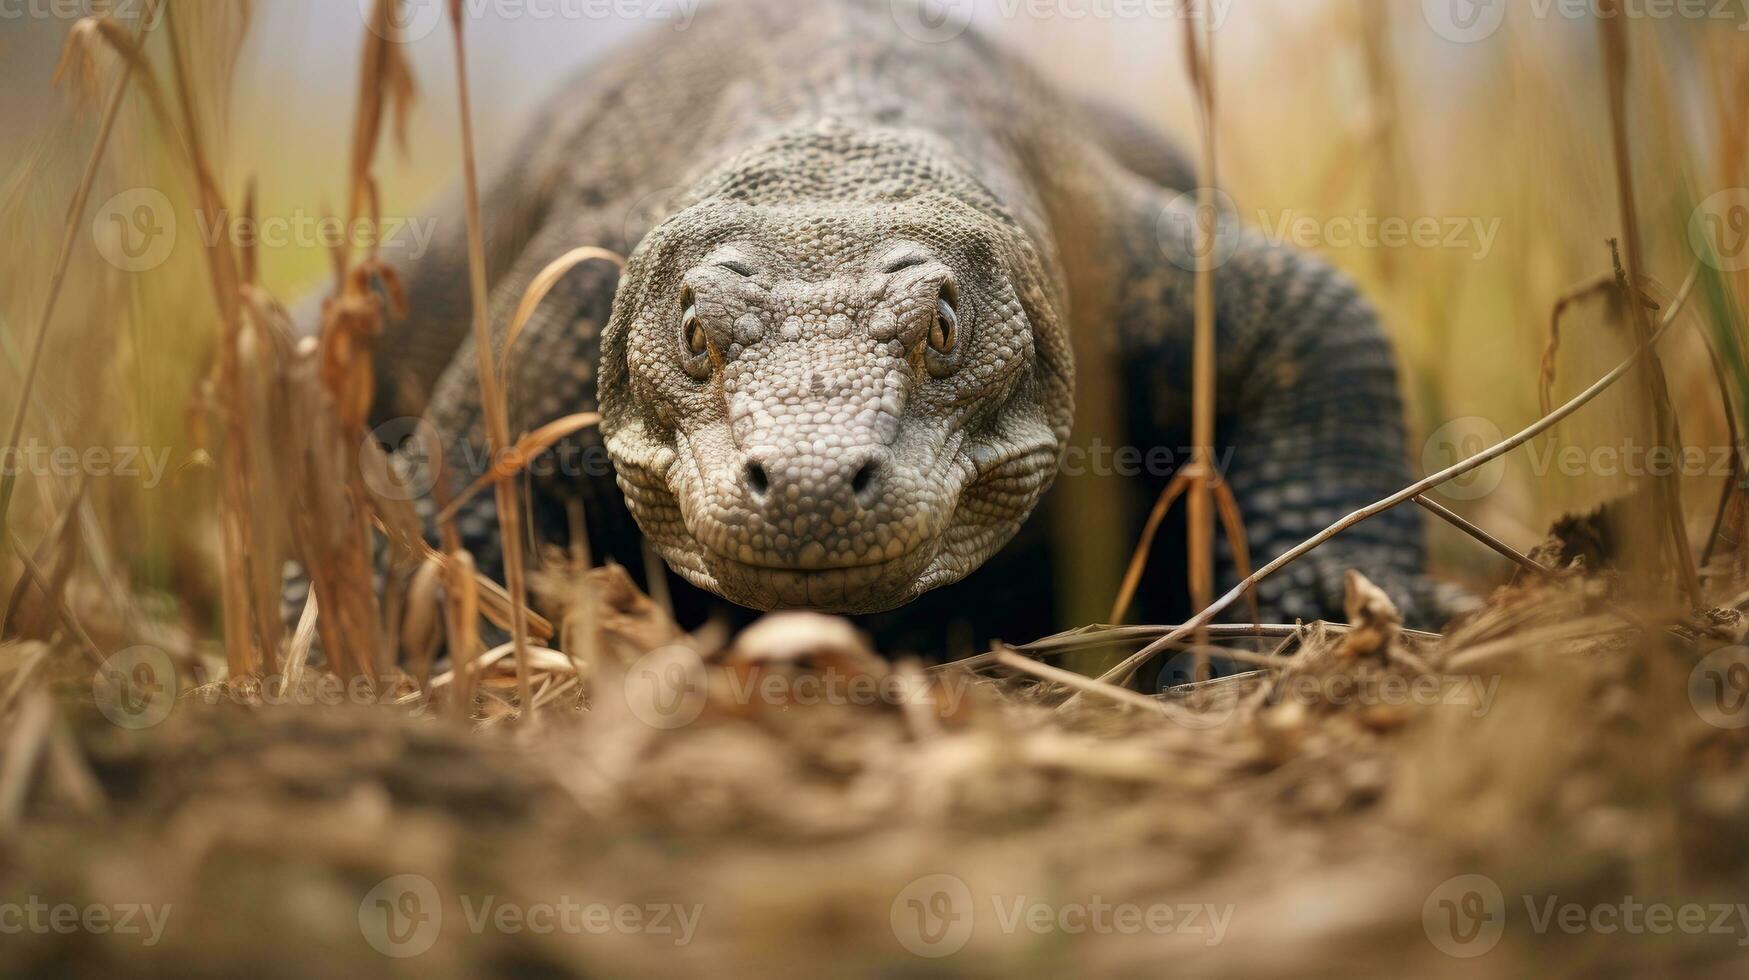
(1123, 670)
(1068, 678)
(1500, 547)
(65, 612)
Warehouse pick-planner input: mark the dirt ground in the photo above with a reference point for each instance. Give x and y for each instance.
(1544, 792)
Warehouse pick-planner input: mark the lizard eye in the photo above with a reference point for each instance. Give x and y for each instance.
(695, 345)
(944, 333)
(942, 354)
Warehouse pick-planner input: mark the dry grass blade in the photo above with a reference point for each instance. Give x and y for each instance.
(537, 290)
(63, 259)
(1666, 493)
(1123, 670)
(1132, 578)
(58, 544)
(303, 638)
(491, 397)
(1199, 49)
(462, 610)
(511, 462)
(1206, 495)
(1233, 526)
(1499, 547)
(59, 602)
(38, 655)
(1537, 639)
(249, 620)
(24, 750)
(494, 600)
(1068, 678)
(385, 84)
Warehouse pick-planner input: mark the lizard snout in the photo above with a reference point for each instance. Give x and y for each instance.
(847, 483)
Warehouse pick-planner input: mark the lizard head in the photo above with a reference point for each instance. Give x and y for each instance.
(833, 398)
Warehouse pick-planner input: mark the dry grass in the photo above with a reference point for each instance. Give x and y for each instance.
(1568, 753)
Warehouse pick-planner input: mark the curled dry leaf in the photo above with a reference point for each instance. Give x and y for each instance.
(1373, 619)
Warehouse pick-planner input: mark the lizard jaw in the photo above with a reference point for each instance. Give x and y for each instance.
(860, 589)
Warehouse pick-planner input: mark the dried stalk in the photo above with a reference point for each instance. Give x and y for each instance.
(1122, 671)
(1068, 678)
(491, 398)
(245, 630)
(1666, 494)
(1495, 544)
(1199, 50)
(63, 259)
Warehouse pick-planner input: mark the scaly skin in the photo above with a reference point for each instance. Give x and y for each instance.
(837, 371)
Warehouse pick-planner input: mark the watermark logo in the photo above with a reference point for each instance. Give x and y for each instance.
(402, 916)
(1718, 230)
(667, 688)
(1465, 916)
(932, 21)
(135, 688)
(1470, 21)
(933, 916)
(415, 456)
(409, 238)
(407, 21)
(1456, 441)
(1718, 687)
(1464, 21)
(135, 231)
(1192, 234)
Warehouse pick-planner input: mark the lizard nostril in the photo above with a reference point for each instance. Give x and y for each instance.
(866, 483)
(758, 480)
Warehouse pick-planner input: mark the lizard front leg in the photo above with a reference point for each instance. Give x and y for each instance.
(1310, 423)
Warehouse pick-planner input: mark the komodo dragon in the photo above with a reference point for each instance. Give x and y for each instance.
(836, 372)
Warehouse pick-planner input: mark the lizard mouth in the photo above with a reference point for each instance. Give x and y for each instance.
(845, 588)
(811, 567)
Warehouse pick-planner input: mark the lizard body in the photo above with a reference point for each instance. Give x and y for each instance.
(837, 371)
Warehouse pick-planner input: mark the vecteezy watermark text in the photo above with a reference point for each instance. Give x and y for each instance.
(670, 687)
(1464, 438)
(1470, 21)
(38, 917)
(136, 230)
(148, 464)
(413, 20)
(935, 916)
(119, 10)
(1467, 916)
(404, 915)
(938, 21)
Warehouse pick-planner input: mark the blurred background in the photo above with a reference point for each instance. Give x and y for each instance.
(1484, 121)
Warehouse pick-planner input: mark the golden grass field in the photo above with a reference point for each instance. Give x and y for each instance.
(1501, 797)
